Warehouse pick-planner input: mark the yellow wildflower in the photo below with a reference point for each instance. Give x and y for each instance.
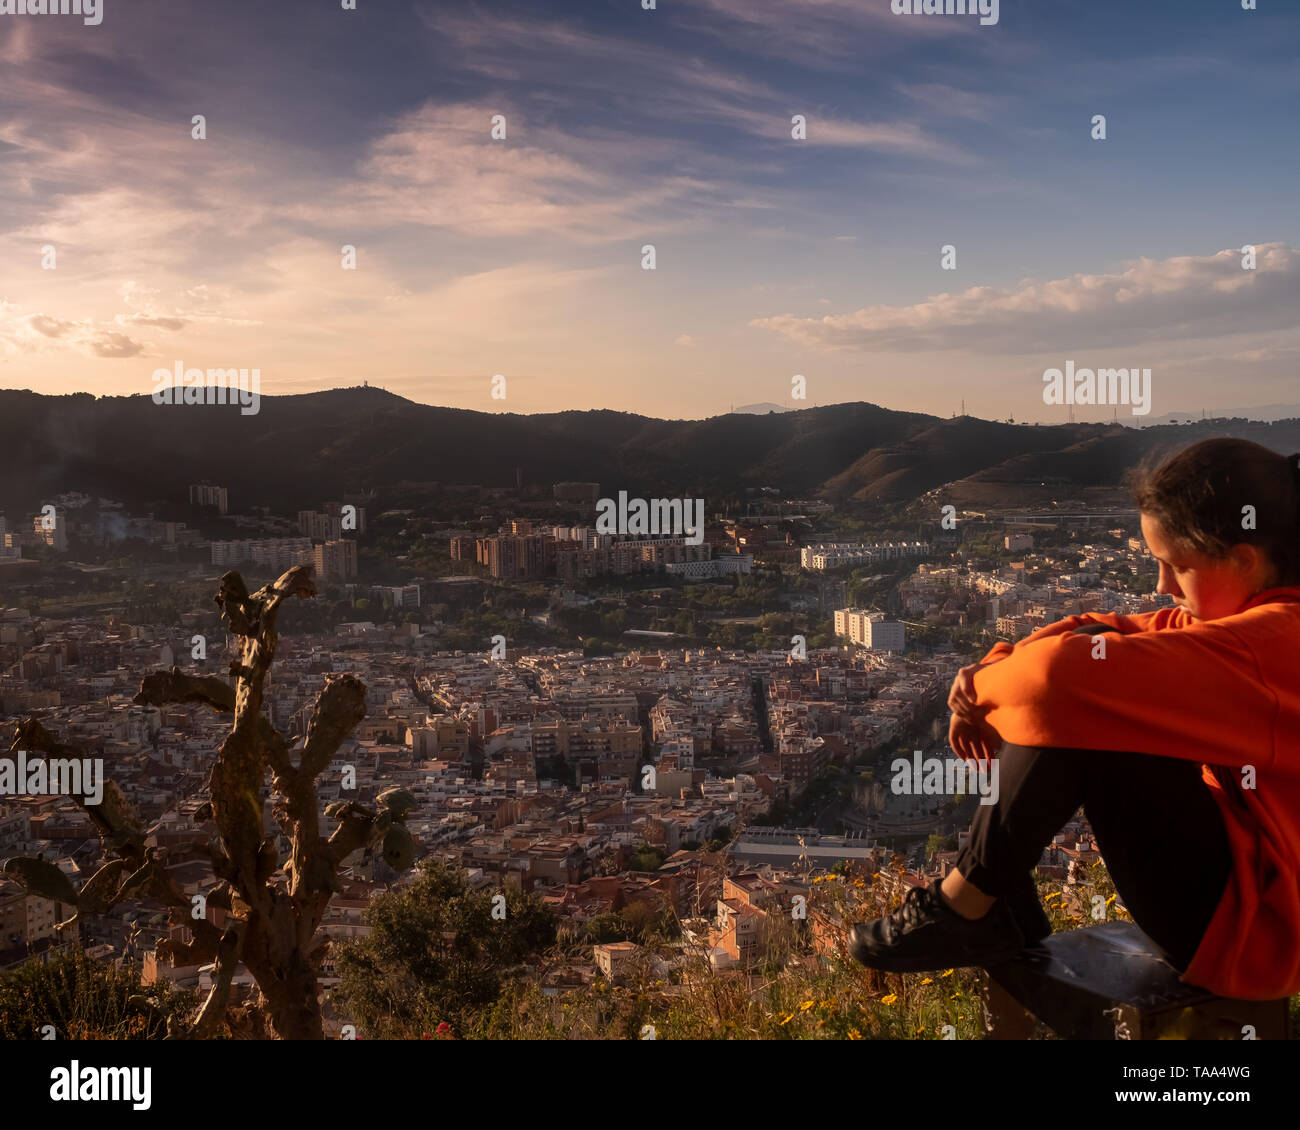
(949, 973)
(786, 1020)
(928, 981)
(806, 1006)
(889, 999)
(854, 1034)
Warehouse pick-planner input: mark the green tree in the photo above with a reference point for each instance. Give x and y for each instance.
(436, 953)
(605, 928)
(939, 842)
(647, 858)
(647, 921)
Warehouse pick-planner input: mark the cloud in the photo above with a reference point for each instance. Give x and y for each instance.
(684, 340)
(40, 333)
(158, 321)
(888, 137)
(438, 166)
(1150, 300)
(108, 343)
(50, 327)
(658, 86)
(837, 31)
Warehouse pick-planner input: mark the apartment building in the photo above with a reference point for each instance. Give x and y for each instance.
(562, 738)
(441, 738)
(271, 553)
(205, 494)
(335, 560)
(26, 920)
(870, 629)
(833, 555)
(518, 557)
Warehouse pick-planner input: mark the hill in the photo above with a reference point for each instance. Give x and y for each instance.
(323, 444)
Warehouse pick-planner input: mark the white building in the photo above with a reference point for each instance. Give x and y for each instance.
(274, 553)
(832, 555)
(725, 565)
(869, 629)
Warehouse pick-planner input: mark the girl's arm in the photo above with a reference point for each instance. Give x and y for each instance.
(1127, 625)
(1194, 694)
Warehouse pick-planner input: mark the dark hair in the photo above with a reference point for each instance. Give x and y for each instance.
(1199, 496)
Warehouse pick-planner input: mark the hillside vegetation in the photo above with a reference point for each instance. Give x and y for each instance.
(401, 982)
(322, 444)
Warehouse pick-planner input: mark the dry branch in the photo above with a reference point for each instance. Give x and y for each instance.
(273, 927)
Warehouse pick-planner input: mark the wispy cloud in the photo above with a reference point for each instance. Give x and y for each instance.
(835, 31)
(655, 83)
(1150, 300)
(37, 332)
(440, 167)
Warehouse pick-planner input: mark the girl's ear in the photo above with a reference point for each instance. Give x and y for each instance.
(1253, 565)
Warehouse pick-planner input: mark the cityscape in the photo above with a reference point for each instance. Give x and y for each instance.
(604, 722)
(734, 522)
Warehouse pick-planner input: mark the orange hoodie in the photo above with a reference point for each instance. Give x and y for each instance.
(1220, 692)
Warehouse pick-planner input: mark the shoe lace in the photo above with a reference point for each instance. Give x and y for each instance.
(915, 906)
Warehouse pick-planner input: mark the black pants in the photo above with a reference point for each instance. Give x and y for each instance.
(1157, 826)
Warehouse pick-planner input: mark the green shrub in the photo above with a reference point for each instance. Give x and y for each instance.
(85, 1000)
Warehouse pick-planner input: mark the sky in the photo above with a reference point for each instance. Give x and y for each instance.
(774, 256)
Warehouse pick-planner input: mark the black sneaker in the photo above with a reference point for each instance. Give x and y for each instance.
(924, 934)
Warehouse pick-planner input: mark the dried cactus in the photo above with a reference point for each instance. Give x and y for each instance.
(273, 926)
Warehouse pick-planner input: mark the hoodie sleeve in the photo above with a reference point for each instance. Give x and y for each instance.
(1159, 692)
(1143, 622)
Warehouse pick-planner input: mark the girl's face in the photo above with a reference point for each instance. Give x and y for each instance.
(1209, 589)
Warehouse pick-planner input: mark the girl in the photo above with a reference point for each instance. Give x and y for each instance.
(1180, 739)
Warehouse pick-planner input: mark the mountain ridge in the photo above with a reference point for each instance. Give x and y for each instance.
(313, 446)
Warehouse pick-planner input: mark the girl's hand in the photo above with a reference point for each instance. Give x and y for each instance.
(961, 699)
(973, 741)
